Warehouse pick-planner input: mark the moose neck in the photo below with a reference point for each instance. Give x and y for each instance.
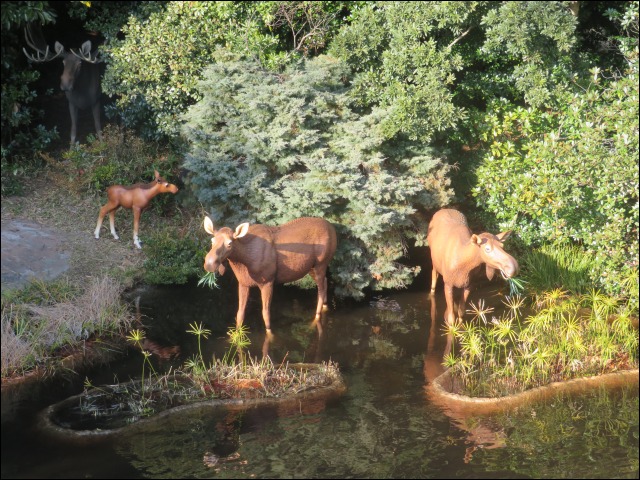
(150, 192)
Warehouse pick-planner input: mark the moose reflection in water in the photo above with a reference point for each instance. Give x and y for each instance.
(261, 256)
(479, 434)
(134, 197)
(80, 80)
(456, 253)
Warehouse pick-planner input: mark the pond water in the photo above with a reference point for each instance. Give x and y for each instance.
(388, 347)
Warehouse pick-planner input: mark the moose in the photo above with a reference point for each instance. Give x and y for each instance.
(261, 256)
(135, 197)
(456, 253)
(80, 80)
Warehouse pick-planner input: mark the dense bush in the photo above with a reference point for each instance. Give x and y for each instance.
(154, 69)
(171, 258)
(570, 174)
(271, 147)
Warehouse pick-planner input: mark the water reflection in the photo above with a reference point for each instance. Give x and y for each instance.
(388, 348)
(479, 433)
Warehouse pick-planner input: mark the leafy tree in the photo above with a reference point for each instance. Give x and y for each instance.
(431, 62)
(405, 61)
(269, 147)
(571, 172)
(155, 68)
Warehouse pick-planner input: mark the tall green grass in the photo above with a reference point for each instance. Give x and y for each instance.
(567, 267)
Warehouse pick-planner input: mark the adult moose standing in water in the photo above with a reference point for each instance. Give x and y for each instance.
(261, 256)
(80, 78)
(135, 197)
(456, 253)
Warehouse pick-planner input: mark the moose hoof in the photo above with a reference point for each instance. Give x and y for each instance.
(325, 308)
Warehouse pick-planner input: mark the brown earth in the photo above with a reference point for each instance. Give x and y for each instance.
(48, 233)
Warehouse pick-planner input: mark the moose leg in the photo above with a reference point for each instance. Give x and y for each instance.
(320, 277)
(266, 291)
(96, 119)
(450, 315)
(136, 223)
(101, 215)
(73, 110)
(112, 223)
(243, 296)
(463, 303)
(325, 305)
(434, 279)
(107, 208)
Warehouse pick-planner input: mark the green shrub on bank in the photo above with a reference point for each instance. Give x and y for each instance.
(120, 158)
(558, 266)
(569, 172)
(171, 258)
(269, 148)
(567, 337)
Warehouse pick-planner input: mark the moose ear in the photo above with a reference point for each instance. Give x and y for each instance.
(504, 235)
(241, 230)
(208, 226)
(86, 48)
(478, 240)
(59, 47)
(157, 175)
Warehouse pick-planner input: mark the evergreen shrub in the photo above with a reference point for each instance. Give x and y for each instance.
(269, 148)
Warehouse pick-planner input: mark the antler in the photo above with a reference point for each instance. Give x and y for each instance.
(84, 53)
(42, 55)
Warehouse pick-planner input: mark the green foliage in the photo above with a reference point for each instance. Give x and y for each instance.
(558, 266)
(269, 148)
(109, 17)
(569, 176)
(430, 61)
(537, 37)
(171, 258)
(38, 292)
(155, 69)
(404, 61)
(568, 336)
(20, 138)
(121, 158)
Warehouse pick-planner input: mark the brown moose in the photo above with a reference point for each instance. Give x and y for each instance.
(135, 197)
(456, 252)
(261, 256)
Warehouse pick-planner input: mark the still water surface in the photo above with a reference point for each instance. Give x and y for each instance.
(388, 348)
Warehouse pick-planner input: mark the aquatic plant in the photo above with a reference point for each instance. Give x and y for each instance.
(570, 336)
(570, 330)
